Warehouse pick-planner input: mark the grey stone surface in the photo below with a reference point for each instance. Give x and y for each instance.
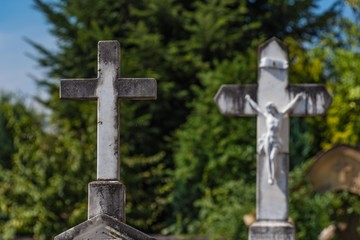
(272, 200)
(231, 101)
(107, 197)
(271, 230)
(103, 227)
(107, 89)
(127, 88)
(316, 100)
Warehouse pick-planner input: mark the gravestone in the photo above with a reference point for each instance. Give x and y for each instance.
(272, 100)
(337, 170)
(106, 196)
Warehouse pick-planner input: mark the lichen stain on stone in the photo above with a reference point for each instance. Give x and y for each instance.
(231, 99)
(317, 98)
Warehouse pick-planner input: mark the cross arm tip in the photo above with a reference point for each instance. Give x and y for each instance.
(137, 88)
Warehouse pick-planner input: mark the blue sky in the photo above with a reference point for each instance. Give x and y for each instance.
(19, 19)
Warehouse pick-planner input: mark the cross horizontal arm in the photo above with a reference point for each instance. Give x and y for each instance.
(78, 88)
(231, 101)
(136, 88)
(127, 88)
(316, 99)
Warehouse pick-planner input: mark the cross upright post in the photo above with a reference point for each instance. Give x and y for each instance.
(272, 100)
(106, 203)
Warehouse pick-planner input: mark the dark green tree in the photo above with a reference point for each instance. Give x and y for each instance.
(6, 134)
(181, 160)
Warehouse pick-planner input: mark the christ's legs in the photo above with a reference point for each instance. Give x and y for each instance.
(272, 159)
(271, 171)
(269, 164)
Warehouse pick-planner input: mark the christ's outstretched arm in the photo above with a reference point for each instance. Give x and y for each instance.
(293, 103)
(253, 104)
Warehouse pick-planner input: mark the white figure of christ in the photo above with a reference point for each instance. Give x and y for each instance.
(270, 143)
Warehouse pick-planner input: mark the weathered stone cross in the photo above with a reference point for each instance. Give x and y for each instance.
(107, 88)
(273, 100)
(106, 203)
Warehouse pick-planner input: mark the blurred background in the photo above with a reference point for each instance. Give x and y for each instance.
(189, 171)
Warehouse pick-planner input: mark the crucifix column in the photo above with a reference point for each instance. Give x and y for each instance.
(272, 100)
(106, 196)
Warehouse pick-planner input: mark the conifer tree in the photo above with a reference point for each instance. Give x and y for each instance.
(187, 169)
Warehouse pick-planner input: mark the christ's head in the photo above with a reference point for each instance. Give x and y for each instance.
(271, 108)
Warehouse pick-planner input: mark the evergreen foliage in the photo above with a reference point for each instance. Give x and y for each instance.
(188, 169)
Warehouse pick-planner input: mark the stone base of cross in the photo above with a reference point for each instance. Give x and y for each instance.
(106, 196)
(272, 100)
(101, 193)
(272, 230)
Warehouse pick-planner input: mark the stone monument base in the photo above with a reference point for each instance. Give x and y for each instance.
(107, 197)
(271, 230)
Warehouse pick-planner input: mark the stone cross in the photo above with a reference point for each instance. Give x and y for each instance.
(272, 100)
(107, 88)
(106, 202)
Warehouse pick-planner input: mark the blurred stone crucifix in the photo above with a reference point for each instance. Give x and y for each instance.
(275, 100)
